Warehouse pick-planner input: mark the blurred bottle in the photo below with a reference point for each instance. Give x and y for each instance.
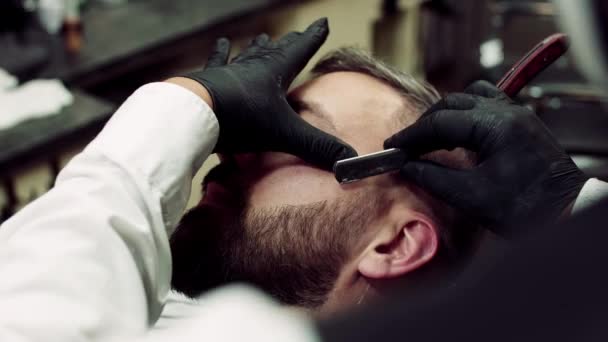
(72, 26)
(51, 14)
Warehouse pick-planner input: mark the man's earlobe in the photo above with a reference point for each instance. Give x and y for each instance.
(400, 249)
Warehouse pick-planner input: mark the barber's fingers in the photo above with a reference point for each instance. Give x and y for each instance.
(462, 189)
(256, 47)
(289, 38)
(261, 39)
(487, 90)
(313, 37)
(312, 144)
(454, 101)
(299, 48)
(444, 129)
(219, 54)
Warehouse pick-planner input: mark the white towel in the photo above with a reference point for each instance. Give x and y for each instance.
(7, 81)
(34, 99)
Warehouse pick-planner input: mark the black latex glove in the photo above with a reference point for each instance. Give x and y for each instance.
(522, 173)
(249, 98)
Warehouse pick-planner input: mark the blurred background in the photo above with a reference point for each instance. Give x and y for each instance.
(66, 65)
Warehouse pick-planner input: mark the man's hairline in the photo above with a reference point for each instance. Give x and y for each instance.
(398, 115)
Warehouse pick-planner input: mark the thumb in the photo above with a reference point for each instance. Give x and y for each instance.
(315, 146)
(299, 48)
(455, 187)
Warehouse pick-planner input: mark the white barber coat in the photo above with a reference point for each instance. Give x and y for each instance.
(90, 260)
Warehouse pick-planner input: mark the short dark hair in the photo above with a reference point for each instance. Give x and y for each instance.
(419, 94)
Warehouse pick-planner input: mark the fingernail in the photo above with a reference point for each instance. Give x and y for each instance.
(348, 152)
(321, 24)
(391, 143)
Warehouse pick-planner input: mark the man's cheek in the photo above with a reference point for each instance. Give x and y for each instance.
(293, 185)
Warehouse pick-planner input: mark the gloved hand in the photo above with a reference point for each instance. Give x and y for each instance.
(522, 173)
(249, 101)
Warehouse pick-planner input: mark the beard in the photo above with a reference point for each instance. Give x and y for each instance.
(294, 253)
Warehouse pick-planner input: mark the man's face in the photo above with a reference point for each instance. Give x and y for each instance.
(291, 228)
(354, 107)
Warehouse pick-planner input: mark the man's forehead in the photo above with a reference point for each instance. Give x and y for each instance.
(356, 107)
(314, 109)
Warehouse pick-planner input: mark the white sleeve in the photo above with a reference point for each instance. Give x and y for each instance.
(592, 192)
(90, 259)
(234, 313)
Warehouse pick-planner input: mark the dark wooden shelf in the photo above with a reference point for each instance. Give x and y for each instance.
(45, 137)
(117, 40)
(119, 36)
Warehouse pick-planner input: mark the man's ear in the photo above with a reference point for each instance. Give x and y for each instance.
(400, 248)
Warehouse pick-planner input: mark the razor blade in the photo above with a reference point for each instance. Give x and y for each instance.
(353, 169)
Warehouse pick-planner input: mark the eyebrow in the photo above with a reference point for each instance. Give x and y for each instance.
(312, 107)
